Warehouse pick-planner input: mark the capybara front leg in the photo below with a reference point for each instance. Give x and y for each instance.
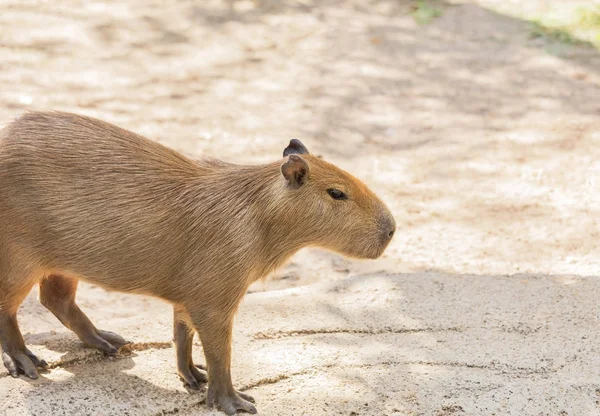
(215, 333)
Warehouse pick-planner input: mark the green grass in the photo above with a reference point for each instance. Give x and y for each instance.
(590, 17)
(560, 21)
(538, 30)
(576, 26)
(424, 11)
(589, 22)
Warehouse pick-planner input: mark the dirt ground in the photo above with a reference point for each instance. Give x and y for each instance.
(484, 142)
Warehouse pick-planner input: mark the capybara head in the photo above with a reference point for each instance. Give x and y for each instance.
(332, 208)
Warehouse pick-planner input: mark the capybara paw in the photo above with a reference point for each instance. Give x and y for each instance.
(116, 340)
(229, 403)
(22, 362)
(193, 377)
(246, 397)
(107, 341)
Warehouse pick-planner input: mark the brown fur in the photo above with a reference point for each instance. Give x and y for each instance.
(81, 199)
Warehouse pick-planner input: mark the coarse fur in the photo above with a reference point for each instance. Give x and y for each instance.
(81, 199)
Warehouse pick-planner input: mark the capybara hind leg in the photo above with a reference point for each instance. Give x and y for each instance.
(183, 336)
(215, 334)
(15, 355)
(57, 293)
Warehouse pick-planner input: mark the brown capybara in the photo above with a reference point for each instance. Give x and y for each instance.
(81, 199)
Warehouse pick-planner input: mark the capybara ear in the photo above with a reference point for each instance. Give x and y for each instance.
(295, 148)
(295, 170)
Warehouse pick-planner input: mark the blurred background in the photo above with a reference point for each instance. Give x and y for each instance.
(477, 121)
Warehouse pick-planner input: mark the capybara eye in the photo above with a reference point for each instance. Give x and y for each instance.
(336, 194)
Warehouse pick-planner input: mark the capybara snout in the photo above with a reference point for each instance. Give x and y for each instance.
(387, 228)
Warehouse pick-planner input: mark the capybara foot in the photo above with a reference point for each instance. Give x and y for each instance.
(115, 339)
(192, 377)
(246, 397)
(107, 341)
(229, 403)
(22, 361)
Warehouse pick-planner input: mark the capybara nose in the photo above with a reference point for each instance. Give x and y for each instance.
(389, 228)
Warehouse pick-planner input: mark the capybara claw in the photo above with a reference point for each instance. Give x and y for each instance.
(246, 397)
(114, 339)
(107, 341)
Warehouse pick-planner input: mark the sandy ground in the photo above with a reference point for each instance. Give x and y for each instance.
(484, 142)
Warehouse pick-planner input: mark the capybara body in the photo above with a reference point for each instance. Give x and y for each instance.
(81, 199)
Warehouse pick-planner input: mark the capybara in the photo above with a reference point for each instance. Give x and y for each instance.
(82, 199)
